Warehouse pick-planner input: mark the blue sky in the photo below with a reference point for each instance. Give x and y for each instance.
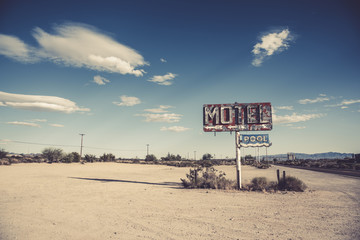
(132, 73)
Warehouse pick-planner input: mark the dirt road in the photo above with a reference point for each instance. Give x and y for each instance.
(124, 201)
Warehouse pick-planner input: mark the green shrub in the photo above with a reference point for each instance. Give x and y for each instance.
(259, 183)
(90, 158)
(150, 157)
(68, 158)
(198, 178)
(289, 184)
(292, 184)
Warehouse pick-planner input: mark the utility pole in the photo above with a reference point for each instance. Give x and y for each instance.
(194, 155)
(81, 146)
(147, 149)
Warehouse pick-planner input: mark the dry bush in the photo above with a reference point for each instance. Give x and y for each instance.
(289, 184)
(198, 178)
(292, 184)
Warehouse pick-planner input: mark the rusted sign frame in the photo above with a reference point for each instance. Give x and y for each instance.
(237, 117)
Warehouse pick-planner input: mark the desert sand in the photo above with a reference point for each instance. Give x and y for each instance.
(131, 201)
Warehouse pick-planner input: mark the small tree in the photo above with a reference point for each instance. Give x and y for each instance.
(52, 154)
(150, 157)
(3, 153)
(207, 156)
(90, 158)
(76, 156)
(68, 158)
(107, 157)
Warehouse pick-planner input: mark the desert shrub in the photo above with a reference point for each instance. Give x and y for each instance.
(207, 156)
(67, 158)
(259, 183)
(3, 153)
(171, 157)
(107, 157)
(52, 154)
(292, 184)
(357, 166)
(90, 158)
(208, 178)
(76, 157)
(150, 157)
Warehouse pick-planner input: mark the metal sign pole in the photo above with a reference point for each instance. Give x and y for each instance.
(238, 159)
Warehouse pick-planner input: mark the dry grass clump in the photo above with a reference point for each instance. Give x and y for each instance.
(287, 184)
(208, 178)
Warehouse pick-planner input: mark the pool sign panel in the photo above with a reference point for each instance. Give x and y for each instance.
(255, 140)
(237, 117)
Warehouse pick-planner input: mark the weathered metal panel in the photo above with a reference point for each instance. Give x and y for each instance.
(255, 140)
(237, 117)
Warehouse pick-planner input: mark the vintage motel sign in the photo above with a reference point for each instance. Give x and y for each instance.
(237, 117)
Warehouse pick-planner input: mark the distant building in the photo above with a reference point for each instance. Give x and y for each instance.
(357, 157)
(291, 156)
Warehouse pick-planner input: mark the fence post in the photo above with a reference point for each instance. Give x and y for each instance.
(278, 175)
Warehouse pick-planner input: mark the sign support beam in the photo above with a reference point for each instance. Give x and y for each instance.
(238, 159)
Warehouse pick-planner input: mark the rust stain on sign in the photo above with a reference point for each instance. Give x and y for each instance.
(237, 117)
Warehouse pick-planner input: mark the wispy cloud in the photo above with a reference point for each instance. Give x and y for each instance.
(38, 120)
(99, 80)
(163, 60)
(161, 109)
(165, 117)
(163, 80)
(293, 118)
(13, 47)
(28, 124)
(174, 129)
(128, 101)
(316, 100)
(56, 125)
(39, 103)
(76, 45)
(274, 42)
(285, 108)
(345, 103)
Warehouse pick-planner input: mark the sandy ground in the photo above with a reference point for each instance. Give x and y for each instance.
(124, 201)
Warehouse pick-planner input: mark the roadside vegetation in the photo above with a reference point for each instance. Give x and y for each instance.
(210, 178)
(344, 164)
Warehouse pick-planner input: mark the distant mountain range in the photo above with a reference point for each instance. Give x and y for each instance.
(327, 155)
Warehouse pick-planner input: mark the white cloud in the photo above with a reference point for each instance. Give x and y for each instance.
(174, 129)
(349, 102)
(39, 103)
(285, 108)
(128, 101)
(77, 45)
(322, 95)
(316, 100)
(271, 43)
(345, 103)
(24, 124)
(165, 117)
(161, 109)
(293, 118)
(163, 80)
(163, 60)
(56, 125)
(38, 120)
(14, 48)
(299, 127)
(99, 80)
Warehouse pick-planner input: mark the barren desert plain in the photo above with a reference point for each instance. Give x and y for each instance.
(133, 201)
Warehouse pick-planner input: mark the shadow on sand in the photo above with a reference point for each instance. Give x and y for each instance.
(170, 184)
